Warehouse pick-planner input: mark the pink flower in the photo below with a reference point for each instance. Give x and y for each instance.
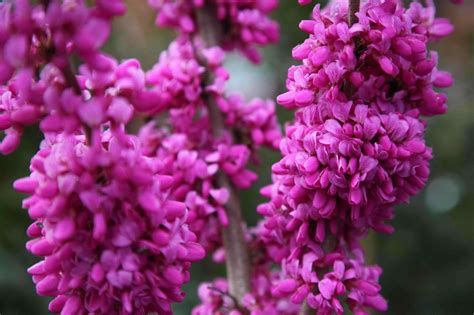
(215, 297)
(247, 20)
(193, 165)
(391, 73)
(177, 76)
(255, 120)
(355, 150)
(112, 240)
(352, 166)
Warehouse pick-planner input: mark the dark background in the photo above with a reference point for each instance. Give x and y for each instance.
(428, 263)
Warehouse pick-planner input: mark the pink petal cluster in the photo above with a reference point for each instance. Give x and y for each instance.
(35, 44)
(352, 167)
(15, 113)
(177, 79)
(355, 150)
(113, 239)
(177, 76)
(215, 297)
(216, 300)
(193, 157)
(256, 118)
(185, 77)
(193, 181)
(118, 218)
(305, 2)
(346, 278)
(247, 21)
(382, 61)
(61, 108)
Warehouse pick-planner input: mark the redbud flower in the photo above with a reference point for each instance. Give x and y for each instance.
(347, 167)
(193, 166)
(355, 150)
(390, 73)
(256, 119)
(248, 21)
(112, 240)
(215, 297)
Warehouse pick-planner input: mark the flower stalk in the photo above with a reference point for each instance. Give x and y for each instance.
(354, 7)
(237, 255)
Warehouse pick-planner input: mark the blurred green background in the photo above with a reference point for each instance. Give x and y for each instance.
(428, 263)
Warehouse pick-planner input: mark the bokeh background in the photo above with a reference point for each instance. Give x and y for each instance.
(428, 263)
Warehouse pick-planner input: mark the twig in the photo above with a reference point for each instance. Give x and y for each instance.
(45, 3)
(234, 301)
(354, 7)
(306, 310)
(70, 78)
(237, 256)
(71, 81)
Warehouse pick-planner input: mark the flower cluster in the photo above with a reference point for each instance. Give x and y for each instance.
(193, 166)
(351, 166)
(15, 114)
(383, 64)
(177, 77)
(35, 44)
(185, 77)
(256, 118)
(345, 278)
(216, 299)
(112, 238)
(120, 218)
(355, 150)
(247, 21)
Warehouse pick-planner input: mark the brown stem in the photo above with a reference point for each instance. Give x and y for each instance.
(45, 3)
(354, 7)
(237, 255)
(71, 81)
(70, 78)
(306, 310)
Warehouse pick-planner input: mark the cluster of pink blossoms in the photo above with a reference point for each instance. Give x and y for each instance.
(247, 22)
(217, 300)
(113, 238)
(119, 218)
(193, 167)
(355, 150)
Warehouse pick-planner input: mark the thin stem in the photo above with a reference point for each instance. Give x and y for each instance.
(224, 294)
(306, 310)
(45, 3)
(70, 78)
(237, 255)
(71, 81)
(354, 7)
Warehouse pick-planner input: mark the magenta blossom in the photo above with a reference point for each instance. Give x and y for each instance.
(247, 20)
(350, 167)
(355, 150)
(382, 60)
(112, 239)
